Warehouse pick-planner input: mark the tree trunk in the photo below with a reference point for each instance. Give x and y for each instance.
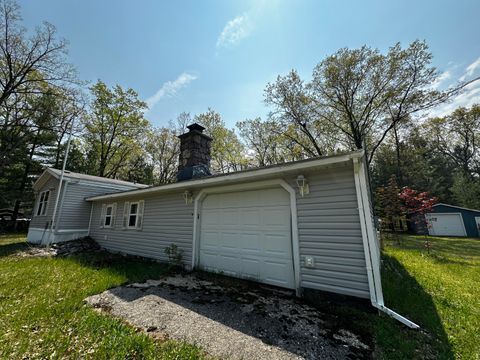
(398, 157)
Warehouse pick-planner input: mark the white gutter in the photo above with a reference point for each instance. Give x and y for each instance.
(236, 177)
(371, 245)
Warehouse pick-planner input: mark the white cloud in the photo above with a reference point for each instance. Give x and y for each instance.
(234, 31)
(170, 88)
(470, 69)
(468, 97)
(443, 76)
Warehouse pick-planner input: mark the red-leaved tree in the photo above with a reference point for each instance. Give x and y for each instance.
(418, 204)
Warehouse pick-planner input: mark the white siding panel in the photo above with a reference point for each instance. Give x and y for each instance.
(43, 222)
(329, 231)
(166, 220)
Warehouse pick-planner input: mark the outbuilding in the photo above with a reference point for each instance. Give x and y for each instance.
(449, 220)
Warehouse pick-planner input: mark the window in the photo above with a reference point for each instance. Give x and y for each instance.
(43, 203)
(108, 215)
(133, 215)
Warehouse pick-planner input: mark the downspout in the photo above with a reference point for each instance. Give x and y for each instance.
(60, 206)
(53, 223)
(370, 244)
(90, 220)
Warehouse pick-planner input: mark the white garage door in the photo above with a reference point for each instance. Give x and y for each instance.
(446, 224)
(248, 234)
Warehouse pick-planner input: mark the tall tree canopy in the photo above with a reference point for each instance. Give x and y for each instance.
(357, 97)
(114, 129)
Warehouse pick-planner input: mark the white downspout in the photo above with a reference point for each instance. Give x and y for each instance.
(53, 224)
(370, 244)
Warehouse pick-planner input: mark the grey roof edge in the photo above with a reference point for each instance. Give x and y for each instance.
(457, 207)
(239, 175)
(78, 176)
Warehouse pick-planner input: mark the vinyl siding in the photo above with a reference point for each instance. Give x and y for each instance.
(42, 222)
(167, 220)
(329, 230)
(75, 211)
(328, 225)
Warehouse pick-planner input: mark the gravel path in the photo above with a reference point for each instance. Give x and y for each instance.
(235, 321)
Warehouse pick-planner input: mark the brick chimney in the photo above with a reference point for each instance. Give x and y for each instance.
(194, 160)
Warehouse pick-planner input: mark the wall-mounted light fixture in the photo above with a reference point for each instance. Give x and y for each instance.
(302, 184)
(188, 197)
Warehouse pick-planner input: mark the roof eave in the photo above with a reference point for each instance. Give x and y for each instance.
(236, 177)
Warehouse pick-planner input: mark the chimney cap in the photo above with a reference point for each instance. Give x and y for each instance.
(196, 127)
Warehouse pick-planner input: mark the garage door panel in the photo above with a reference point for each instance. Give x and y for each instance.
(249, 242)
(276, 217)
(251, 235)
(276, 273)
(250, 217)
(250, 267)
(230, 217)
(210, 239)
(445, 224)
(275, 244)
(210, 218)
(228, 240)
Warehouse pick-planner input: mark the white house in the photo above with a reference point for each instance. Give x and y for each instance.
(304, 225)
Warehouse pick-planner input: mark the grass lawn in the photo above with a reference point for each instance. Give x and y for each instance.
(42, 314)
(440, 291)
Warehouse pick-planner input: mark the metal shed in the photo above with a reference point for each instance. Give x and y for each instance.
(450, 220)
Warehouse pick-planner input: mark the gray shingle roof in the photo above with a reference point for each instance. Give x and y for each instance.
(74, 175)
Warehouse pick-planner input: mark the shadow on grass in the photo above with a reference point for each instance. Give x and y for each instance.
(406, 296)
(134, 269)
(12, 248)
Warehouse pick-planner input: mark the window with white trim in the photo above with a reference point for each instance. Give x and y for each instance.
(43, 203)
(108, 215)
(133, 215)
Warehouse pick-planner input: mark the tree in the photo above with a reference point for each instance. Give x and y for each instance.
(24, 62)
(457, 136)
(357, 97)
(421, 165)
(114, 129)
(295, 117)
(466, 190)
(163, 149)
(417, 204)
(26, 155)
(227, 151)
(388, 204)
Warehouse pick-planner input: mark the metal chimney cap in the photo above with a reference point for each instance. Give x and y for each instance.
(196, 127)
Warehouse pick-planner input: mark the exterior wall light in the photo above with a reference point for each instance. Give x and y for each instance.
(303, 185)
(188, 197)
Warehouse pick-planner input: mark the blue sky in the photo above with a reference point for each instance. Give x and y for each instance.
(191, 55)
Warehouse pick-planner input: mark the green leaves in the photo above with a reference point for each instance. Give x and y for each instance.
(114, 129)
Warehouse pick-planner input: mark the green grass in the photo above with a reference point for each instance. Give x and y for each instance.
(42, 313)
(439, 290)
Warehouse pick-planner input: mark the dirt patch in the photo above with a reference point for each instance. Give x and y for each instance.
(61, 249)
(232, 318)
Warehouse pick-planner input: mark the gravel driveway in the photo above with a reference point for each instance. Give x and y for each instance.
(231, 318)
